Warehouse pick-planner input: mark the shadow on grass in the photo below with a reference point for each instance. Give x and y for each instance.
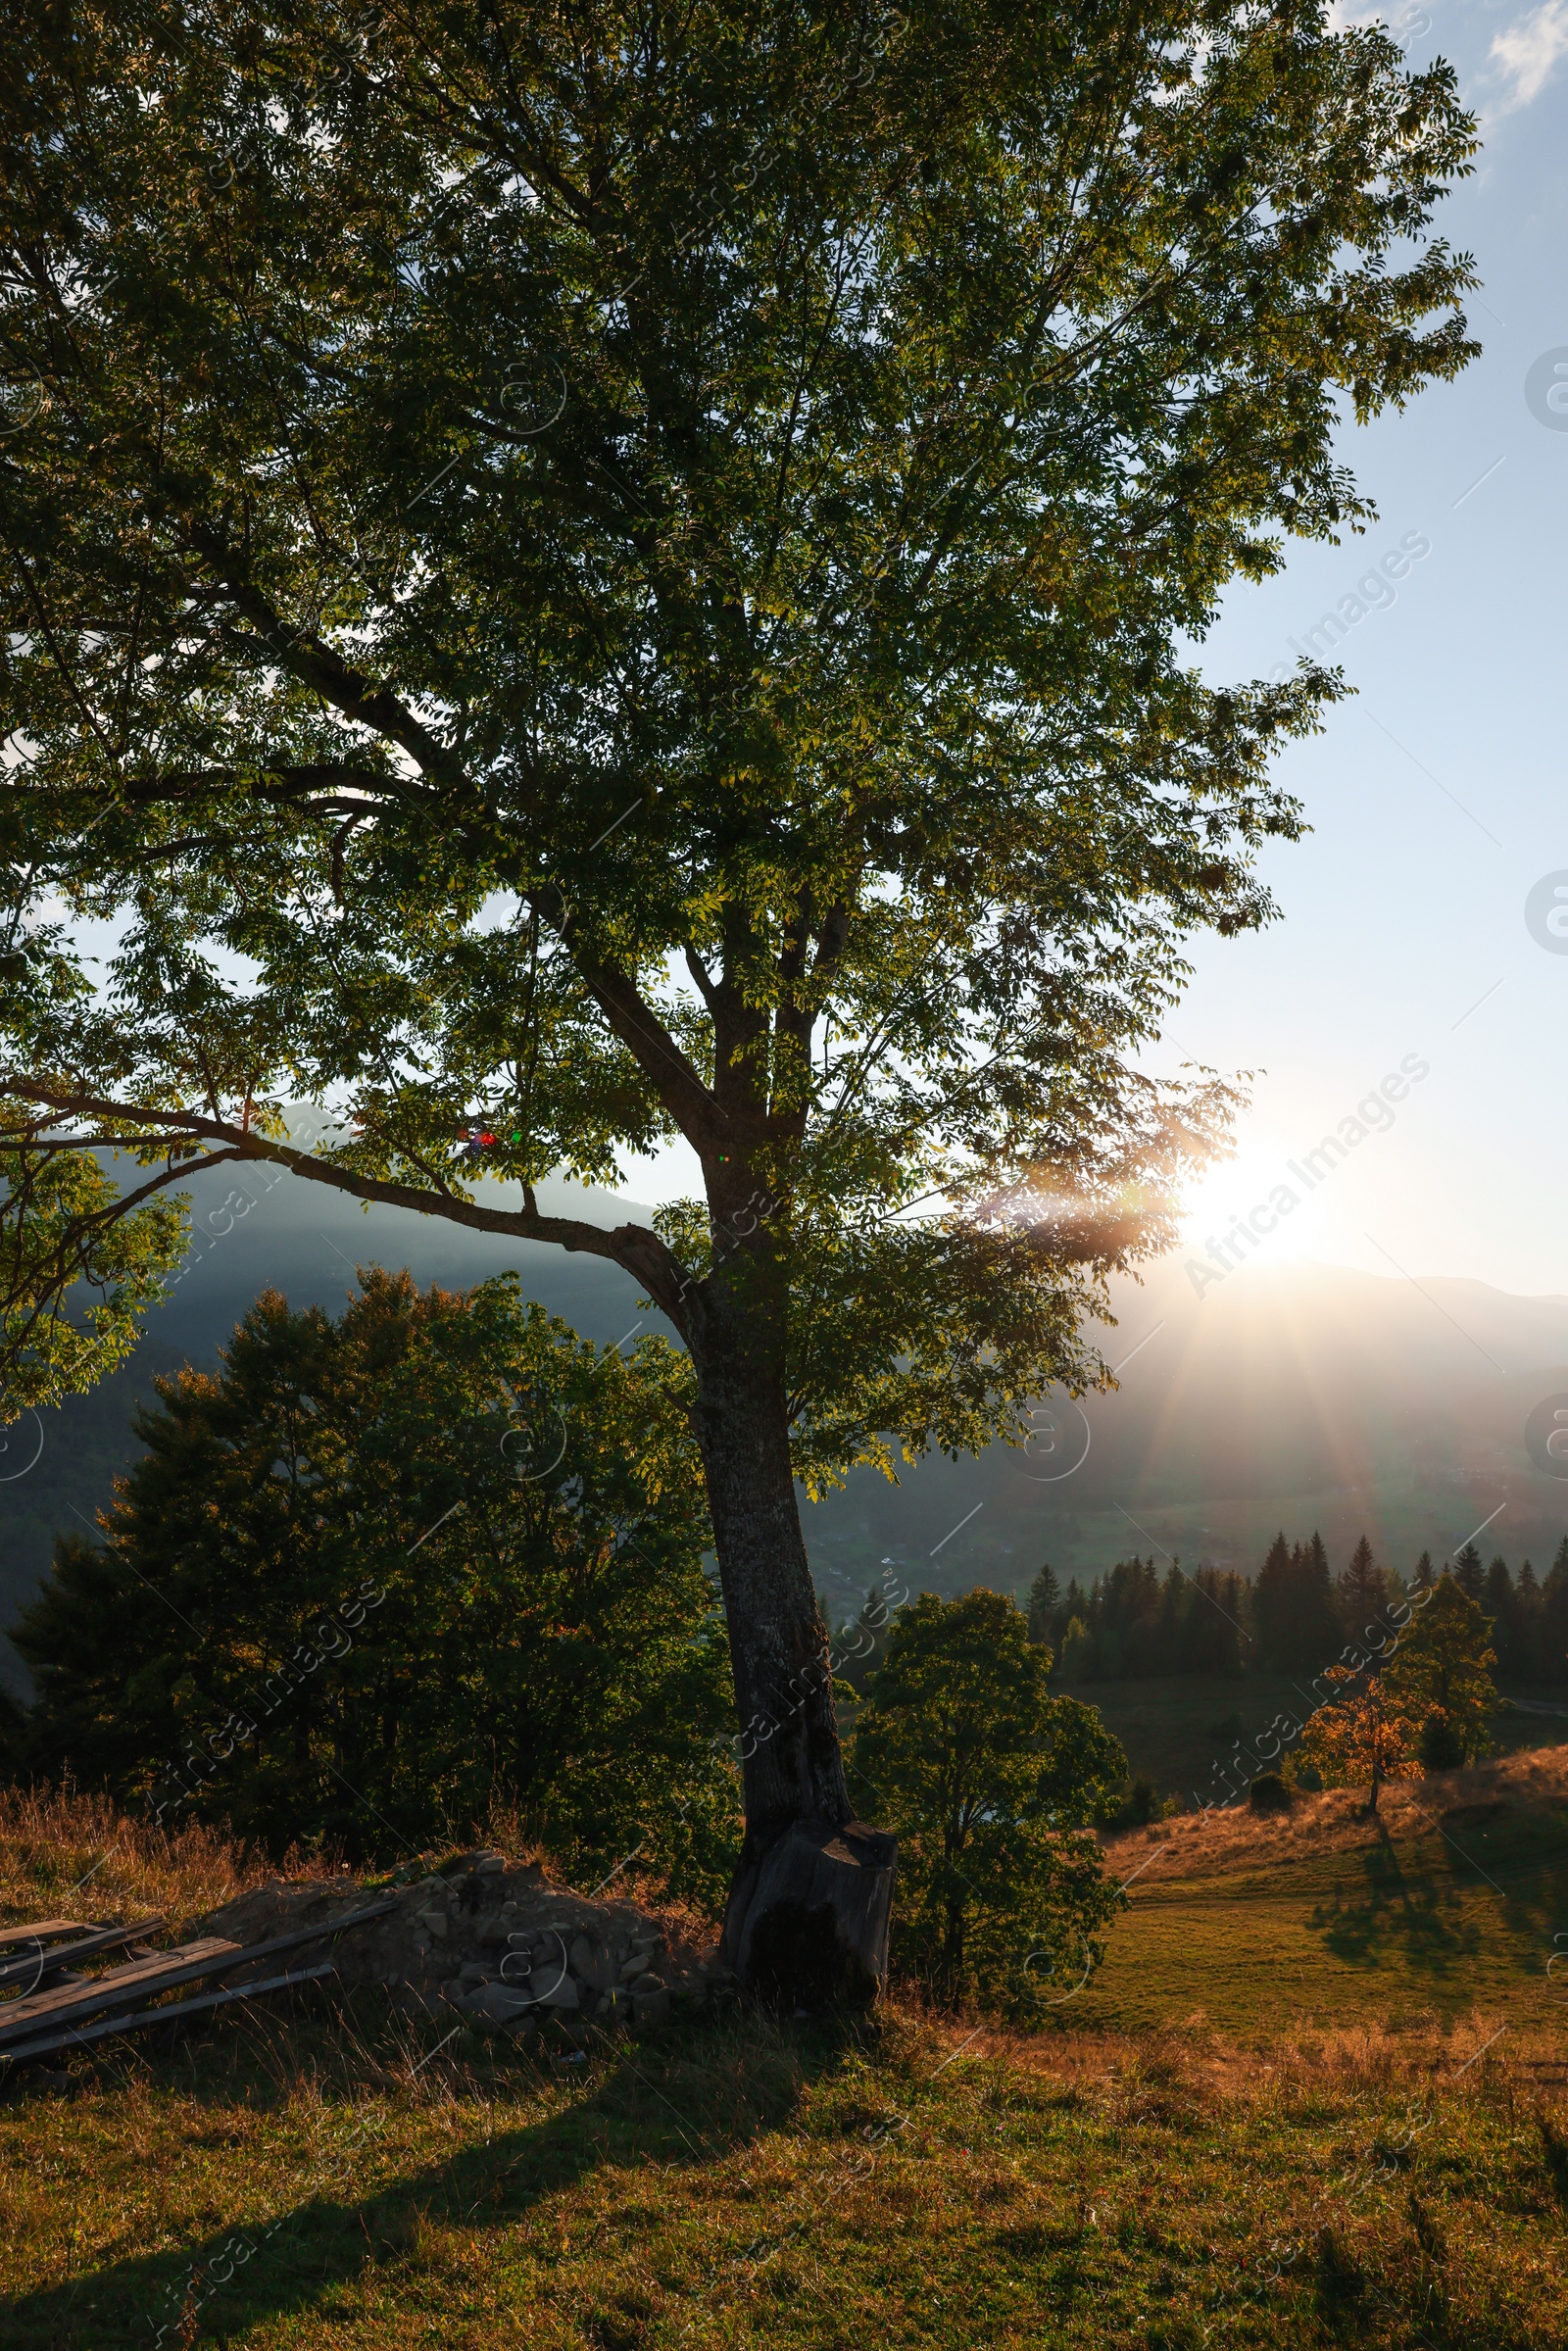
(1399, 1909)
(694, 2095)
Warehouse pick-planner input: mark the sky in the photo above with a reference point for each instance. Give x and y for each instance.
(1436, 794)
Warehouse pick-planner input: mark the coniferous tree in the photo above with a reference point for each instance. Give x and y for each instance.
(1045, 1606)
(1314, 1625)
(1425, 1573)
(1469, 1574)
(1080, 1660)
(1530, 1633)
(1554, 1651)
(1215, 1631)
(1361, 1592)
(1142, 1601)
(1271, 1604)
(1104, 1623)
(1174, 1607)
(1497, 1600)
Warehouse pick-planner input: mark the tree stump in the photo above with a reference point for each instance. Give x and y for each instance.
(807, 1921)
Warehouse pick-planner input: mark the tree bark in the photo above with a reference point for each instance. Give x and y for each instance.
(808, 1914)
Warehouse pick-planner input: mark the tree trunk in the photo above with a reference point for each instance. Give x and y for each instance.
(808, 1914)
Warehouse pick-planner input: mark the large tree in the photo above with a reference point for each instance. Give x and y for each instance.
(582, 577)
(529, 1627)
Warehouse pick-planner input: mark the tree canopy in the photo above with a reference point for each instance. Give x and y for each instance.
(991, 1784)
(1443, 1667)
(383, 1576)
(578, 581)
(1364, 1733)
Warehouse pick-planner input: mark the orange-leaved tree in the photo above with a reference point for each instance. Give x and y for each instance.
(1361, 1735)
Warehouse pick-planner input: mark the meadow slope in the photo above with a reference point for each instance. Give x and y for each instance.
(1447, 1901)
(332, 2177)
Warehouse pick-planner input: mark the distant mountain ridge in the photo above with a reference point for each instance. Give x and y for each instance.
(1294, 1395)
(253, 1232)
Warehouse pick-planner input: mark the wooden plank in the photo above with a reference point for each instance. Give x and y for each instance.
(45, 1930)
(103, 1938)
(55, 2044)
(167, 1971)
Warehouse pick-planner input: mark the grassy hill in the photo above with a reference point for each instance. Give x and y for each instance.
(1444, 1905)
(1391, 2174)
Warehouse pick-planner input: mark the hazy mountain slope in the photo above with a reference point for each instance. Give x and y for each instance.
(304, 1240)
(1294, 1394)
(1297, 1395)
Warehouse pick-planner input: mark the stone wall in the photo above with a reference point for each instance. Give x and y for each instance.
(496, 1944)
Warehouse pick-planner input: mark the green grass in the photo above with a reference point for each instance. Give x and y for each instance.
(1449, 1901)
(743, 2184)
(1302, 2104)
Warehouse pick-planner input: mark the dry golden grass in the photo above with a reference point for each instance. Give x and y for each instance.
(66, 1853)
(1208, 1845)
(1426, 2056)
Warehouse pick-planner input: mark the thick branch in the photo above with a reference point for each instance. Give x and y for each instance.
(273, 783)
(702, 1120)
(637, 1251)
(315, 662)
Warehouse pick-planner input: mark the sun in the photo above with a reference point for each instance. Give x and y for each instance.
(1257, 1192)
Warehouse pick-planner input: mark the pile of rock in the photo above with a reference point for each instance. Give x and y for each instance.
(495, 1943)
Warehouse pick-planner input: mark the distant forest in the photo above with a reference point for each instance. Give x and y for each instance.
(1293, 1617)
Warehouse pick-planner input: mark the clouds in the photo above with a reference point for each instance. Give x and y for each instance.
(1527, 52)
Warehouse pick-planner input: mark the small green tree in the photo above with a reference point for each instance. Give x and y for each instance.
(380, 1575)
(1044, 1603)
(1442, 1666)
(992, 1785)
